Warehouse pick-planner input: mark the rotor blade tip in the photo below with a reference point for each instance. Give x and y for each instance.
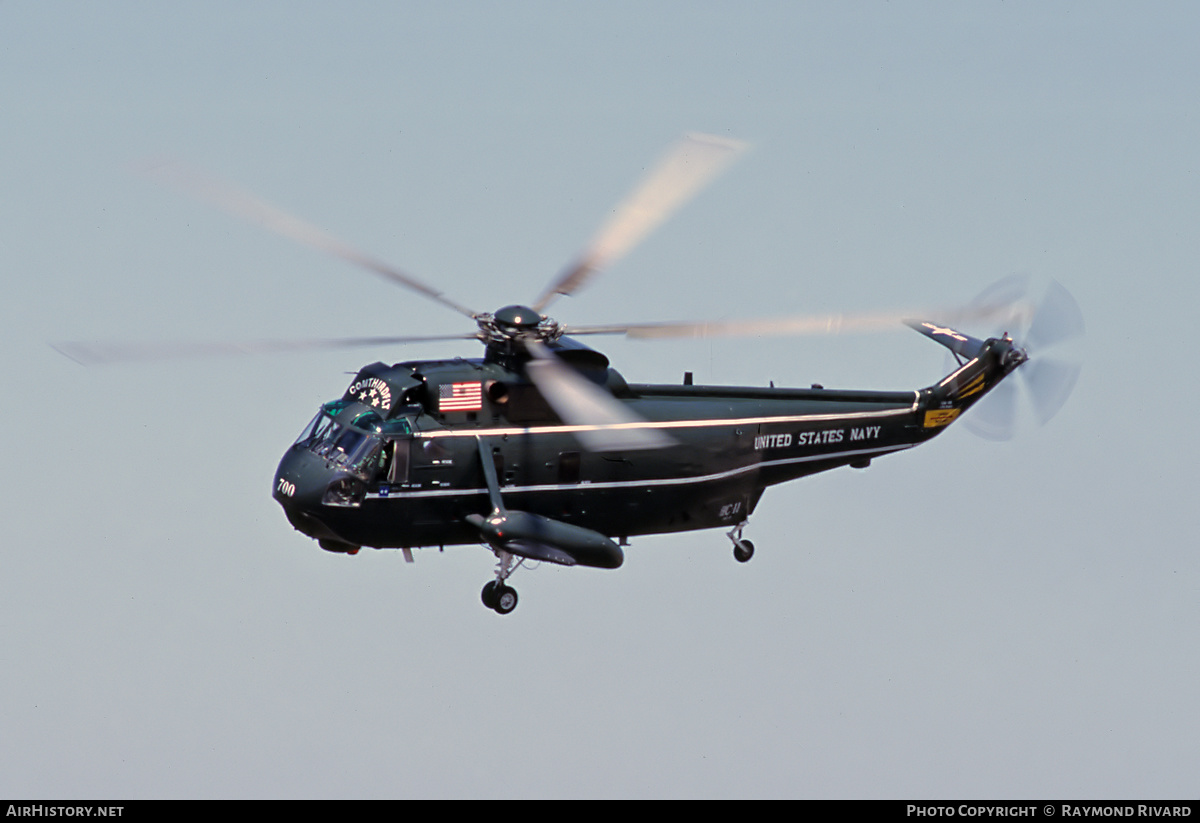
(70, 351)
(731, 143)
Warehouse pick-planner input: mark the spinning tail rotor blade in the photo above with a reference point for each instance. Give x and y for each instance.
(249, 207)
(1056, 321)
(1046, 322)
(995, 416)
(604, 423)
(687, 167)
(1050, 383)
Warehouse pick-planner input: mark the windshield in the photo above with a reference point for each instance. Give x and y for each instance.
(357, 447)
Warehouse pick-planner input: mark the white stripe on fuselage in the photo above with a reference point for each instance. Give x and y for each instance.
(669, 424)
(665, 481)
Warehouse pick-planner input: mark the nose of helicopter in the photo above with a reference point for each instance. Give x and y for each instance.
(295, 479)
(301, 482)
(312, 492)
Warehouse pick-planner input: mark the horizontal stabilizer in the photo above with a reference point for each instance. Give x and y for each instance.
(961, 344)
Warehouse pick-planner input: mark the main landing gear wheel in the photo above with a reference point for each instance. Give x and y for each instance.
(499, 597)
(743, 550)
(488, 595)
(506, 599)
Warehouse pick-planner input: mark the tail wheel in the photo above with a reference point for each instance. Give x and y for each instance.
(743, 550)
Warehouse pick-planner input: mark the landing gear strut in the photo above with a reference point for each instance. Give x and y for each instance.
(497, 595)
(743, 550)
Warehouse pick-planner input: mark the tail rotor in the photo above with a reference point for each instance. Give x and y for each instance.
(1045, 320)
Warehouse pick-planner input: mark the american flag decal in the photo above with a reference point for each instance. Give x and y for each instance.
(460, 397)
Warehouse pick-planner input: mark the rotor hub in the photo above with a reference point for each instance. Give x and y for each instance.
(518, 322)
(517, 318)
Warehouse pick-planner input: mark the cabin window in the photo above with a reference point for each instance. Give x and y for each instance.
(398, 470)
(568, 468)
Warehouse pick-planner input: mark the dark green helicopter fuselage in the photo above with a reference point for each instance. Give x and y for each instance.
(397, 462)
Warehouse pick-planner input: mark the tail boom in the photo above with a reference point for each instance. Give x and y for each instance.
(987, 363)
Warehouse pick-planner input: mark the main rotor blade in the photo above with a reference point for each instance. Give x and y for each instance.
(100, 353)
(688, 165)
(249, 207)
(800, 324)
(761, 327)
(605, 424)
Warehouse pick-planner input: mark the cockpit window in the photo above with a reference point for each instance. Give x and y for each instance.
(317, 430)
(345, 445)
(399, 426)
(370, 421)
(357, 447)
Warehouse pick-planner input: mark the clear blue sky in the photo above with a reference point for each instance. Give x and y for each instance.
(970, 619)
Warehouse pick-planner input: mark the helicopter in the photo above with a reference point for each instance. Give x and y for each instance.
(541, 451)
